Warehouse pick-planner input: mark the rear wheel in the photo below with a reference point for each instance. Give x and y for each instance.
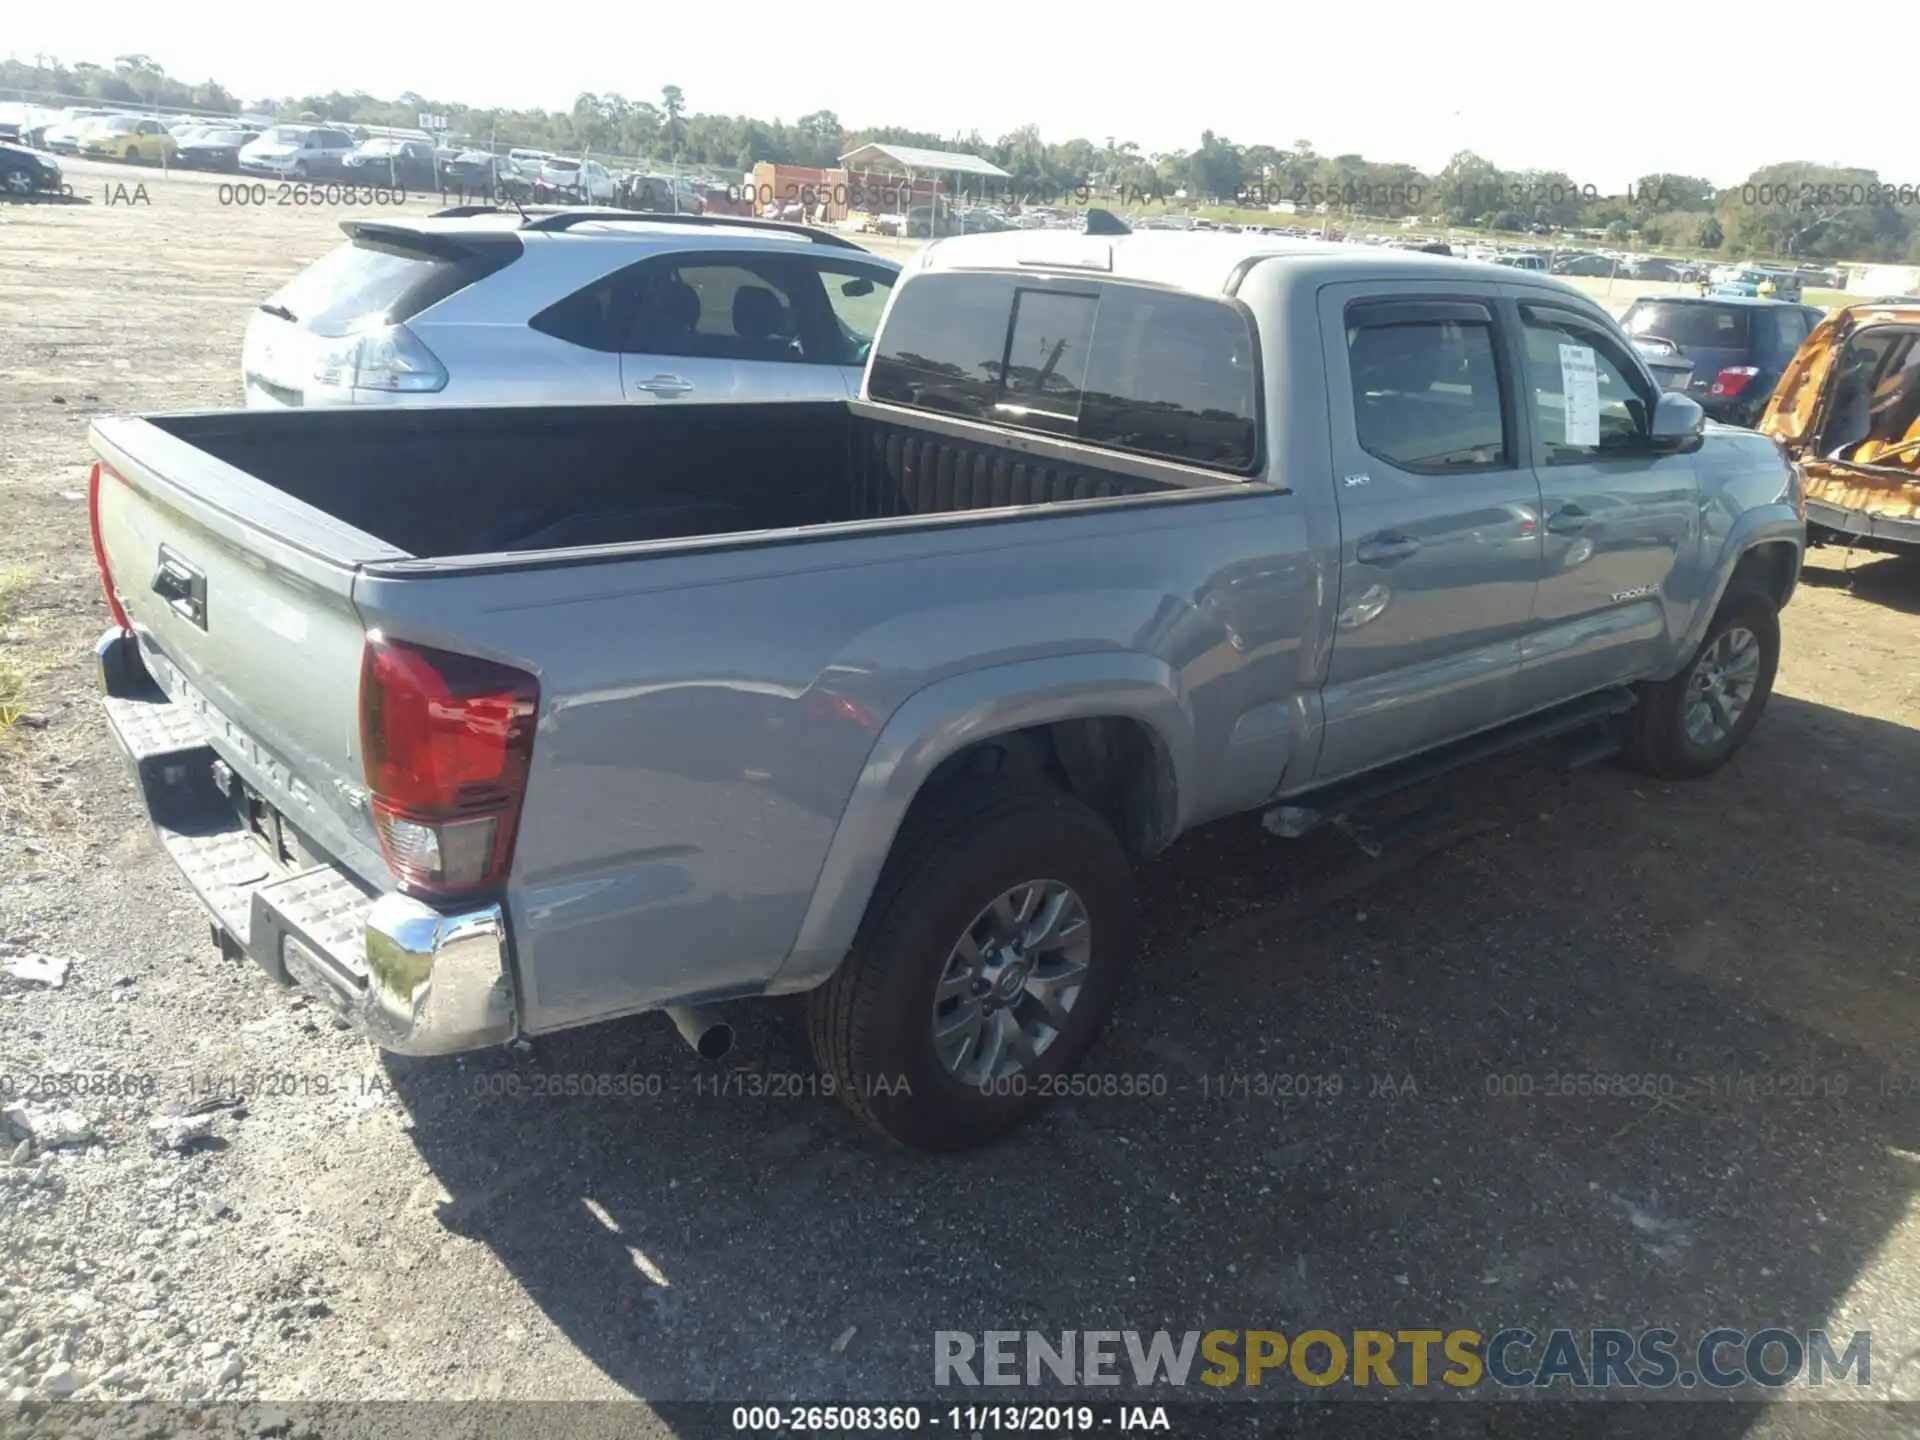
(16, 181)
(1694, 723)
(987, 961)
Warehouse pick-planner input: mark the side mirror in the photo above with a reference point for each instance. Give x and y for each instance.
(860, 286)
(1679, 424)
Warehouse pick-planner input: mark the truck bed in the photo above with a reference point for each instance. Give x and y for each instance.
(436, 483)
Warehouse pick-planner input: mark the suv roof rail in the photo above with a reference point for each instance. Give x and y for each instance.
(563, 220)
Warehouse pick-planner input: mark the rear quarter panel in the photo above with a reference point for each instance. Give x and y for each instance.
(705, 715)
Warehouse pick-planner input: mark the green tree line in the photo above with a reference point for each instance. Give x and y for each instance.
(1791, 208)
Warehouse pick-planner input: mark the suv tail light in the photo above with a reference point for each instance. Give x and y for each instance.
(384, 357)
(446, 740)
(99, 545)
(1732, 380)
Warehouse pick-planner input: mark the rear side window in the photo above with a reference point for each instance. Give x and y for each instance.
(1692, 327)
(1426, 386)
(708, 307)
(1150, 372)
(362, 280)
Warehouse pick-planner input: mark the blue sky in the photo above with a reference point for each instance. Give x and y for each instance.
(1526, 84)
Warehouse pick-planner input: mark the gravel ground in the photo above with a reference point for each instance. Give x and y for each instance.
(249, 1204)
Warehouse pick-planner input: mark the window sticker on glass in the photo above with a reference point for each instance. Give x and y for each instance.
(1580, 384)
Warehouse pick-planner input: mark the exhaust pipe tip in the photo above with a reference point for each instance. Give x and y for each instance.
(714, 1042)
(703, 1029)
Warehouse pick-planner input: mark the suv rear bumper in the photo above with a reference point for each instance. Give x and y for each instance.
(413, 979)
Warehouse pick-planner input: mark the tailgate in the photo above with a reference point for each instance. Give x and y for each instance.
(241, 599)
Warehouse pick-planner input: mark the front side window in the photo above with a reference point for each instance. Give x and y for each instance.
(857, 297)
(1587, 400)
(1426, 388)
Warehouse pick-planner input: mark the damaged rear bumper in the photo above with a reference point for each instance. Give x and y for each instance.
(413, 979)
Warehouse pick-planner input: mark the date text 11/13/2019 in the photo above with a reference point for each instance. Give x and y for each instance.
(962, 1419)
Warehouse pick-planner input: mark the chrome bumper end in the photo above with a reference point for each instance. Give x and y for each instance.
(412, 979)
(436, 983)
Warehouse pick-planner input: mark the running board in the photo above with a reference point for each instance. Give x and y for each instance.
(1312, 809)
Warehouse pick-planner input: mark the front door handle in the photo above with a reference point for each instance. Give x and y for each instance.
(665, 385)
(1568, 520)
(1385, 548)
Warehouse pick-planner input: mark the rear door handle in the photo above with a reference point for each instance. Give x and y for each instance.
(1568, 520)
(665, 385)
(1384, 549)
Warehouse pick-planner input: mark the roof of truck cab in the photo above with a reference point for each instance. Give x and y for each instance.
(1207, 262)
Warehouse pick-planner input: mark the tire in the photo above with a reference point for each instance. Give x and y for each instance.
(872, 1023)
(133, 155)
(1658, 741)
(17, 182)
(300, 171)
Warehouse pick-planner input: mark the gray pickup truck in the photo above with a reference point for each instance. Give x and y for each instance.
(484, 723)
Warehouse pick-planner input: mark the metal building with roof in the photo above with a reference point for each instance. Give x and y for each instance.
(913, 161)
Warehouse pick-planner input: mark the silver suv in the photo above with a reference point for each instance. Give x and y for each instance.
(298, 152)
(478, 306)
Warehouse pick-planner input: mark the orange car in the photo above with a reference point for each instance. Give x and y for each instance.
(1848, 410)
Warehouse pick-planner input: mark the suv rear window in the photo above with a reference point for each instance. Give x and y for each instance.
(367, 278)
(1691, 326)
(1148, 371)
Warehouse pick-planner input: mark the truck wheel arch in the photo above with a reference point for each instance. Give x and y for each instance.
(1111, 727)
(1766, 547)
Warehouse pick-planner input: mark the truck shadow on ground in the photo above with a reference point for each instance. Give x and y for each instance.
(1590, 1051)
(1890, 581)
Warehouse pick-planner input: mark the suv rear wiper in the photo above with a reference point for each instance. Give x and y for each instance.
(280, 312)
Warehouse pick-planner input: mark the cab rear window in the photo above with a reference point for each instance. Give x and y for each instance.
(1126, 367)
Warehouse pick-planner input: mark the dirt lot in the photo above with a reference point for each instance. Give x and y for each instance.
(369, 1229)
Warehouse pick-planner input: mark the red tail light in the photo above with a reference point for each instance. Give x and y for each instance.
(1732, 380)
(446, 740)
(99, 546)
